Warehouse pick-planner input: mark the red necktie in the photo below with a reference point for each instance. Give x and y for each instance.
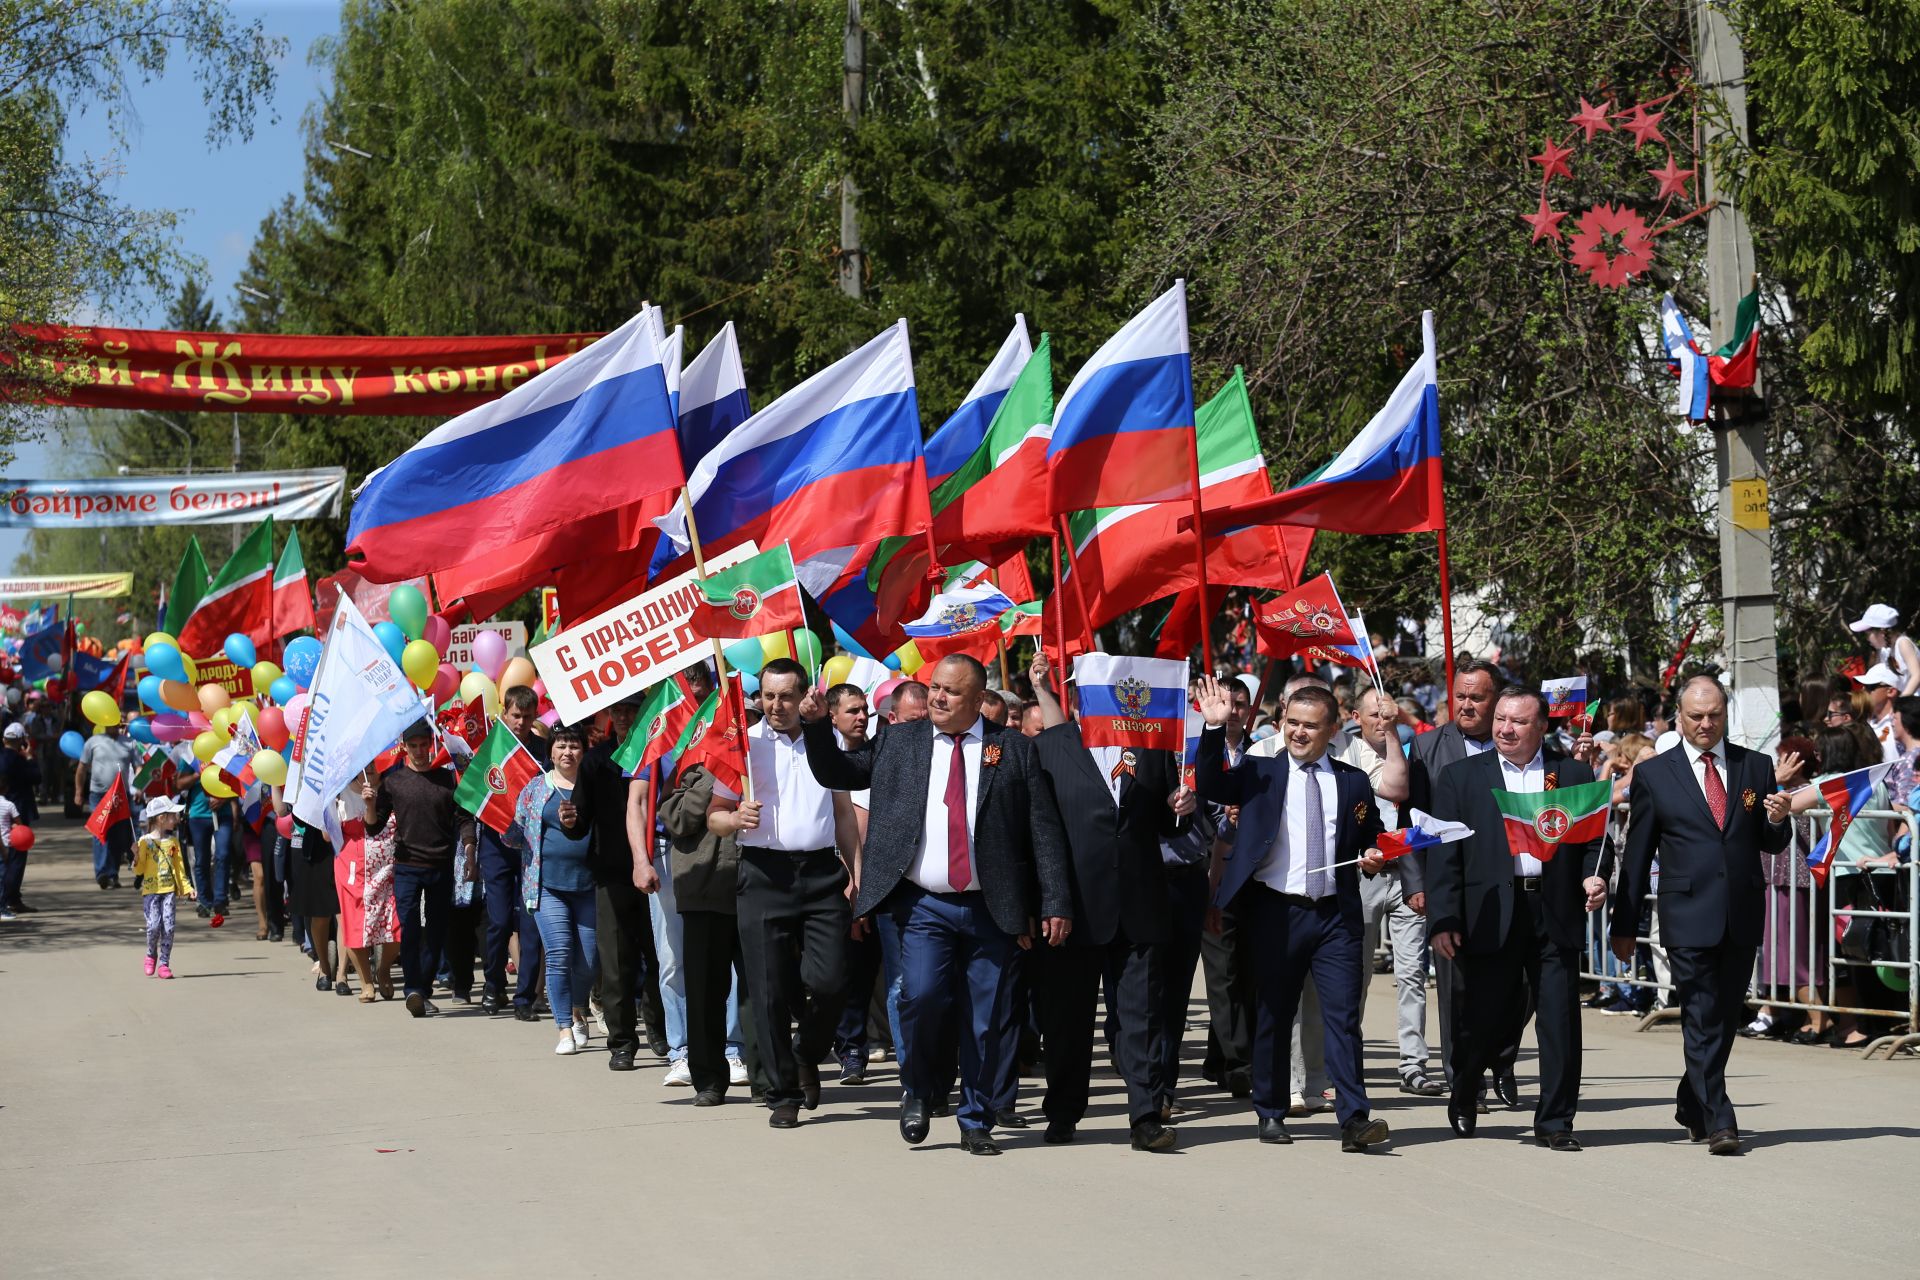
(959, 867)
(1716, 792)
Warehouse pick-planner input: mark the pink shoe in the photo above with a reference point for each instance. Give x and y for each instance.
(165, 972)
(148, 966)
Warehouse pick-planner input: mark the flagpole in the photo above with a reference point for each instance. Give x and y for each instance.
(1446, 599)
(1200, 555)
(719, 655)
(1000, 634)
(1079, 592)
(1059, 598)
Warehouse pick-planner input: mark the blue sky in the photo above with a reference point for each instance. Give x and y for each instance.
(220, 193)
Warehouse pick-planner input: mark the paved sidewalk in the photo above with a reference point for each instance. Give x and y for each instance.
(237, 1123)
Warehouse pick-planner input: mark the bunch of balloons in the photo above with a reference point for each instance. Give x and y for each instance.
(207, 714)
(419, 640)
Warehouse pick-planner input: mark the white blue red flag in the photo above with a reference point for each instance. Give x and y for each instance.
(961, 608)
(961, 434)
(1846, 794)
(1131, 702)
(1423, 831)
(1685, 361)
(713, 396)
(1566, 696)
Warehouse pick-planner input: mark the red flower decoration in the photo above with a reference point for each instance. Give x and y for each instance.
(1595, 232)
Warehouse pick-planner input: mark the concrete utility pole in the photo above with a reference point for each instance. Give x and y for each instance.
(1739, 425)
(237, 531)
(853, 88)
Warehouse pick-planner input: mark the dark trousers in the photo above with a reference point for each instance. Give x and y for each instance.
(863, 969)
(1710, 985)
(1230, 990)
(710, 955)
(957, 972)
(1067, 986)
(793, 934)
(1287, 939)
(464, 925)
(418, 889)
(625, 915)
(1494, 994)
(500, 879)
(1178, 956)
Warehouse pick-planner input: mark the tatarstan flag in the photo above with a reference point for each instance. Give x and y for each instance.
(1130, 556)
(189, 584)
(670, 707)
(1539, 823)
(292, 597)
(240, 598)
(493, 780)
(756, 597)
(717, 737)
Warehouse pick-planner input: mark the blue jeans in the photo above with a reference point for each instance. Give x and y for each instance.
(668, 932)
(104, 863)
(423, 899)
(210, 853)
(567, 919)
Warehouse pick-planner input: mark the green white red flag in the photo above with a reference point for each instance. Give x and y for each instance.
(757, 597)
(670, 707)
(1539, 823)
(717, 737)
(239, 600)
(491, 784)
(292, 597)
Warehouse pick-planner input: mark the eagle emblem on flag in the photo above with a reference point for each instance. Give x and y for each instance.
(1133, 694)
(960, 616)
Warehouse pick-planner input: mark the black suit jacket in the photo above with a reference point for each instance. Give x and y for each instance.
(1712, 884)
(1427, 758)
(1019, 847)
(1115, 848)
(1470, 882)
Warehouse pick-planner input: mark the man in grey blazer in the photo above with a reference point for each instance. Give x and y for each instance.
(966, 849)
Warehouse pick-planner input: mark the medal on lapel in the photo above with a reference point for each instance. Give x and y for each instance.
(1124, 765)
(1747, 798)
(990, 755)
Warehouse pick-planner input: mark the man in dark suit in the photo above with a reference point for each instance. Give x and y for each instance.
(1512, 925)
(1123, 801)
(965, 847)
(1702, 806)
(1302, 814)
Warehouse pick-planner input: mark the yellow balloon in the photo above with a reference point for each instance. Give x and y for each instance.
(222, 720)
(179, 697)
(775, 645)
(159, 637)
(264, 674)
(193, 669)
(206, 743)
(475, 685)
(244, 708)
(836, 671)
(100, 708)
(210, 782)
(421, 661)
(270, 767)
(213, 698)
(910, 659)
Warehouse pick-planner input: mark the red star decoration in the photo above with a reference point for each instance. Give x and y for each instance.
(1553, 161)
(1590, 119)
(1545, 222)
(1672, 179)
(1644, 125)
(1633, 248)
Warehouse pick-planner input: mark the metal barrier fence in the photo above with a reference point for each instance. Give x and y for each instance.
(1816, 944)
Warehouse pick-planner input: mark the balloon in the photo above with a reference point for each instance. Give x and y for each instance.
(210, 781)
(99, 707)
(273, 728)
(1895, 979)
(198, 719)
(489, 653)
(284, 825)
(891, 662)
(179, 695)
(270, 767)
(746, 655)
(283, 690)
(446, 683)
(749, 684)
(296, 714)
(264, 674)
(421, 663)
(158, 637)
(301, 659)
(245, 708)
(192, 667)
(774, 645)
(910, 659)
(474, 685)
(408, 607)
(54, 661)
(882, 692)
(438, 632)
(391, 638)
(836, 670)
(221, 721)
(206, 744)
(164, 661)
(239, 650)
(170, 726)
(71, 744)
(806, 650)
(140, 729)
(20, 838)
(540, 687)
(150, 692)
(519, 672)
(213, 697)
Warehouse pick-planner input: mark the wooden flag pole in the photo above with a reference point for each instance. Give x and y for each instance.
(1200, 555)
(719, 655)
(1000, 634)
(1079, 591)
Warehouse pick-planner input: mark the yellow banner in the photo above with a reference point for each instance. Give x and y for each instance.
(81, 586)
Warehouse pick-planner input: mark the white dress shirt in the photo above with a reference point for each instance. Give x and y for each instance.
(1107, 761)
(1475, 746)
(796, 813)
(930, 866)
(1285, 866)
(1529, 779)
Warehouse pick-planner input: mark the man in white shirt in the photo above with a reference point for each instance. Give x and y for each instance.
(793, 906)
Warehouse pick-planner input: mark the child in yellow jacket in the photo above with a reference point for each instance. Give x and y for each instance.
(162, 875)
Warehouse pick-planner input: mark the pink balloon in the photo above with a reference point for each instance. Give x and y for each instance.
(173, 732)
(296, 712)
(490, 654)
(198, 720)
(446, 682)
(886, 688)
(438, 633)
(284, 825)
(540, 687)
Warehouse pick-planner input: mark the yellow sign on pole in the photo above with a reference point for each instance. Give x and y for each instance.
(1750, 504)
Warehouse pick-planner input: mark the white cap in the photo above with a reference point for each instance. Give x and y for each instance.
(1879, 673)
(1253, 685)
(15, 730)
(1666, 742)
(1879, 617)
(160, 805)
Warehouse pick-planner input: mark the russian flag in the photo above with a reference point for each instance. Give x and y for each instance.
(1132, 702)
(961, 434)
(1684, 361)
(1123, 432)
(713, 396)
(1846, 794)
(1423, 831)
(1387, 479)
(589, 434)
(1566, 696)
(830, 466)
(961, 608)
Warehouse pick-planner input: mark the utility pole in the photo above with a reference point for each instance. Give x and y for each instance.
(1739, 424)
(853, 82)
(237, 531)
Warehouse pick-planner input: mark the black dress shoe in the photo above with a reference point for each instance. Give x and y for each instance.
(1506, 1086)
(1058, 1135)
(1694, 1131)
(416, 1004)
(1274, 1130)
(1557, 1141)
(978, 1142)
(1240, 1084)
(622, 1060)
(784, 1116)
(490, 1004)
(657, 1044)
(913, 1120)
(709, 1098)
(809, 1073)
(940, 1108)
(525, 1013)
(1461, 1119)
(1151, 1135)
(1360, 1133)
(1724, 1142)
(1009, 1119)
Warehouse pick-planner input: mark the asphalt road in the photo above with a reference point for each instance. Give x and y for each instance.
(234, 1122)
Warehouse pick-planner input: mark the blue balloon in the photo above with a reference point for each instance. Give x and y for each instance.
(240, 651)
(749, 684)
(283, 690)
(891, 662)
(391, 638)
(72, 744)
(140, 729)
(164, 661)
(747, 656)
(150, 691)
(302, 660)
(846, 641)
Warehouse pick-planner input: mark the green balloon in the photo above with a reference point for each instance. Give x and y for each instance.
(1896, 979)
(408, 609)
(806, 651)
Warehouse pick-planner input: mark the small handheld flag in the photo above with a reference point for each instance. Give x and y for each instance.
(491, 784)
(757, 597)
(1423, 831)
(1566, 696)
(961, 609)
(1539, 823)
(1132, 702)
(1846, 794)
(669, 708)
